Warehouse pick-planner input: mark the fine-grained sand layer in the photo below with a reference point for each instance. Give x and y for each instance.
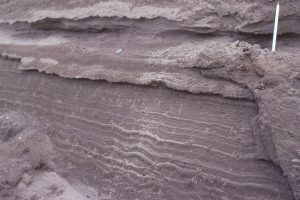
(142, 142)
(149, 100)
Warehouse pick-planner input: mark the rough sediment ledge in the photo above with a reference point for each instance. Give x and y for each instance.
(208, 16)
(224, 125)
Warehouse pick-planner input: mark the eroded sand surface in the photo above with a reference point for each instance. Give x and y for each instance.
(149, 100)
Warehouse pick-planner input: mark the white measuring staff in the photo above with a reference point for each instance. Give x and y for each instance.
(275, 27)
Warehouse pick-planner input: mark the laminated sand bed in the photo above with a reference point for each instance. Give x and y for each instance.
(138, 100)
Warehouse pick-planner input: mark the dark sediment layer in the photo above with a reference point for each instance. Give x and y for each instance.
(153, 101)
(136, 142)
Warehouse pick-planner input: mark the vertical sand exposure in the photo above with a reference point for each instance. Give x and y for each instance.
(134, 142)
(149, 100)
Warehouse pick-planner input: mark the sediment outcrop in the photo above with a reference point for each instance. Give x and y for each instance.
(149, 100)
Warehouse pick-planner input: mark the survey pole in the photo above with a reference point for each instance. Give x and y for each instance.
(275, 27)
